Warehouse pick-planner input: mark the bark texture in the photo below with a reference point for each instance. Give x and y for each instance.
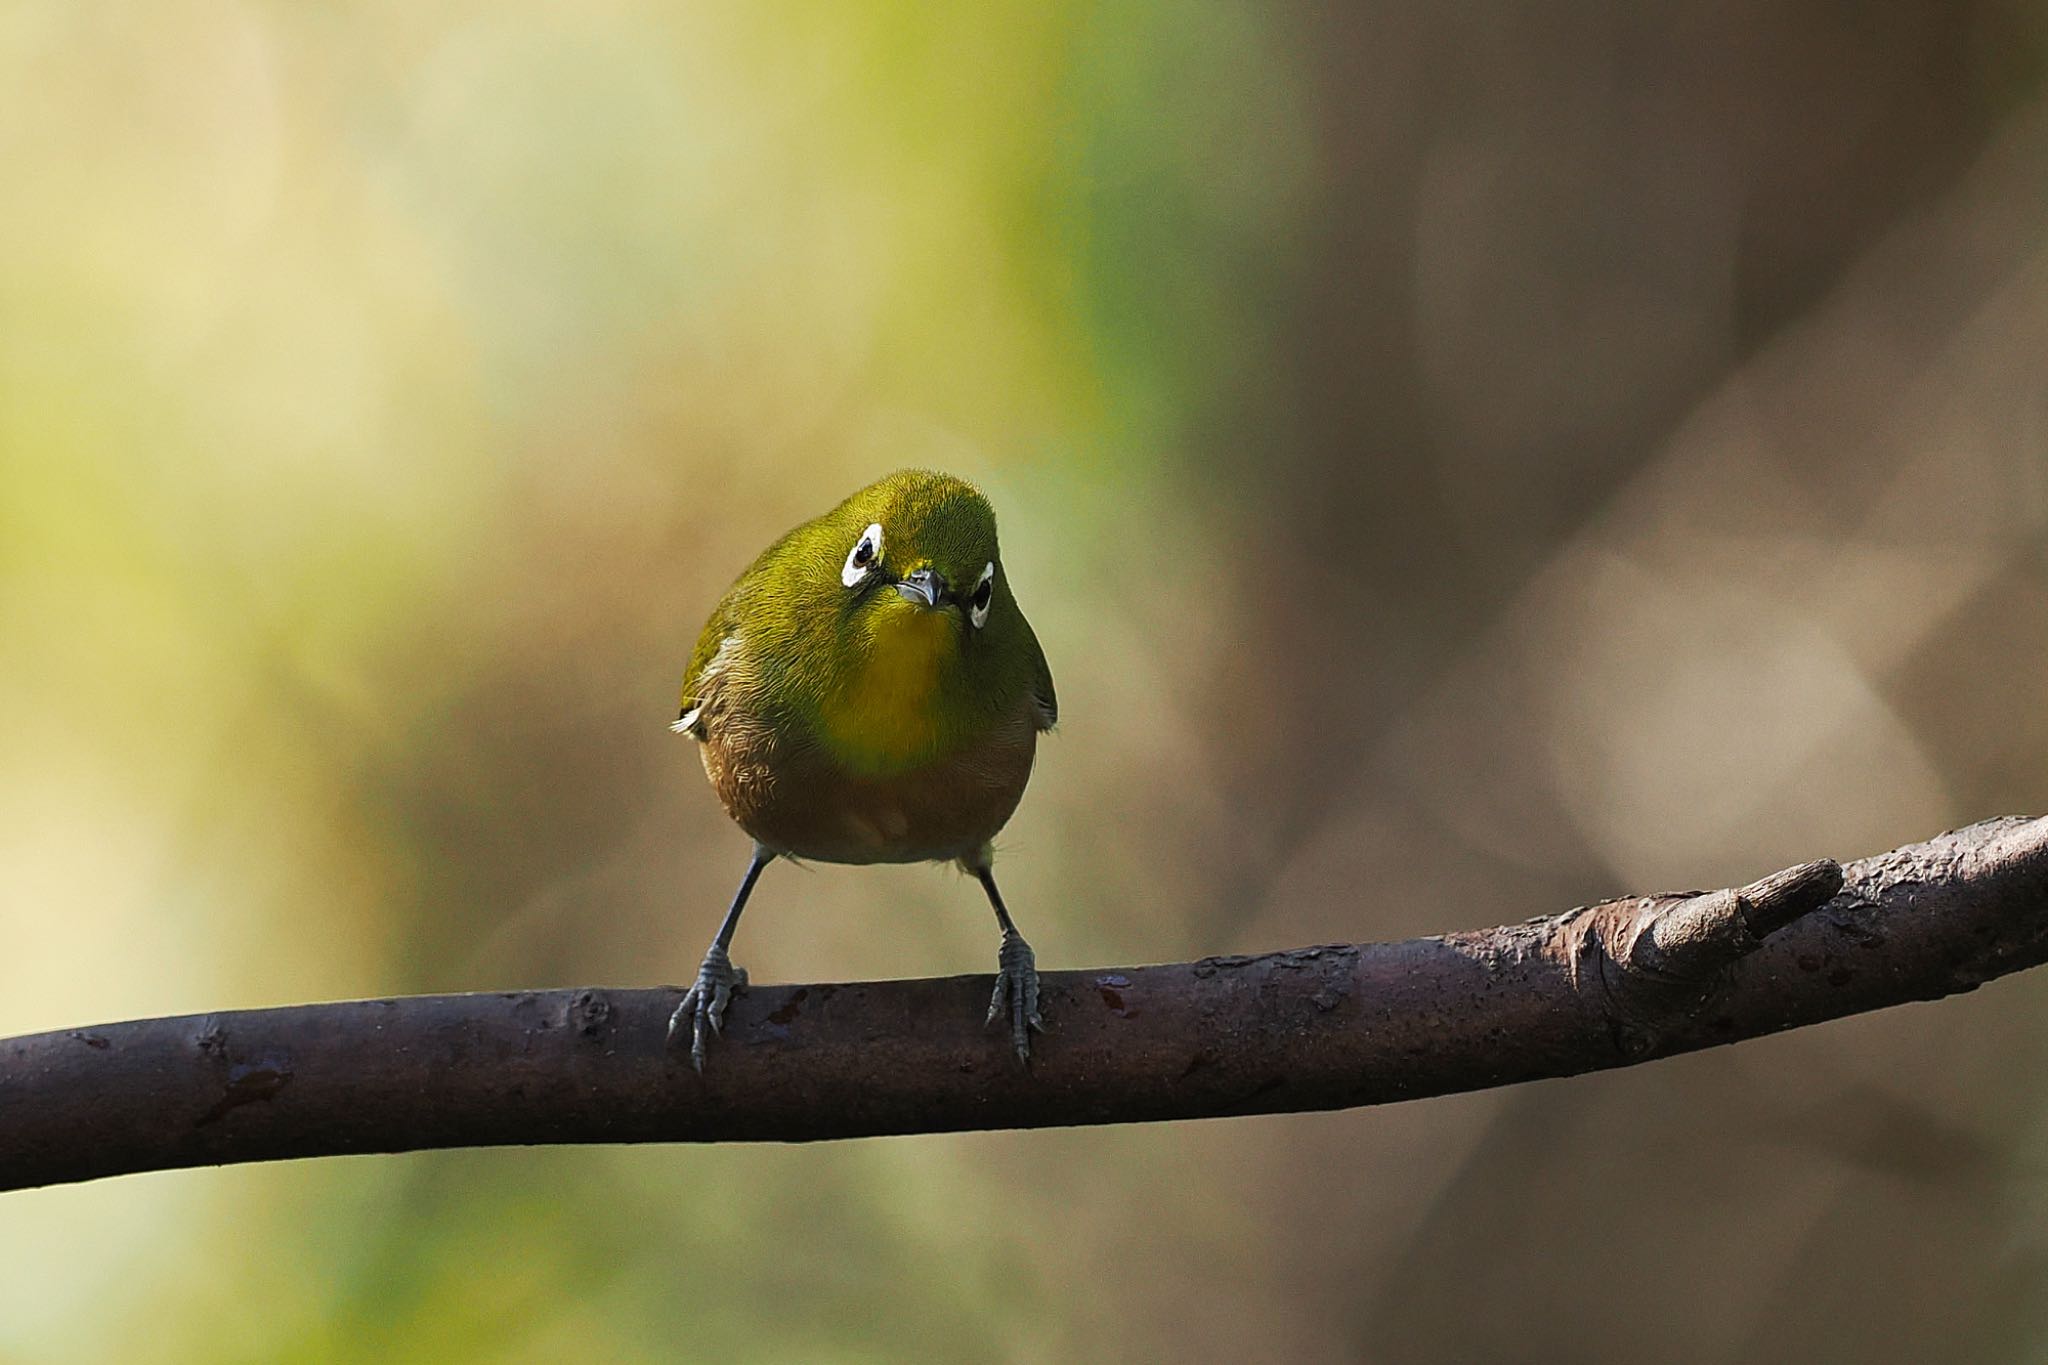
(1309, 1028)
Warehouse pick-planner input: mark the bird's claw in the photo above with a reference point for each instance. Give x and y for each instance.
(1016, 994)
(704, 1003)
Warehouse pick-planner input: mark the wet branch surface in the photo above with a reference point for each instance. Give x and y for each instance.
(1311, 1028)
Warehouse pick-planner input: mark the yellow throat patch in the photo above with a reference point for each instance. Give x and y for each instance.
(884, 715)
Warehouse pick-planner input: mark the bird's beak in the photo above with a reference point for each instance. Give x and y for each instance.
(926, 587)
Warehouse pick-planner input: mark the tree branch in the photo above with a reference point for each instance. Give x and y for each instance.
(1312, 1028)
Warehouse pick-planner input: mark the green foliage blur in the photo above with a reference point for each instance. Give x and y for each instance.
(1461, 461)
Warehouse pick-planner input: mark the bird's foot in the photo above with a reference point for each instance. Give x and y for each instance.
(1016, 996)
(704, 1003)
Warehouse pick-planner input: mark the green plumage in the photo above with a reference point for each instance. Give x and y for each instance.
(805, 635)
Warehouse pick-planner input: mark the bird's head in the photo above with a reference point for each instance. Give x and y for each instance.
(919, 553)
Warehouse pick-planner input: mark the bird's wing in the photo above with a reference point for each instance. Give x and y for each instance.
(714, 647)
(1045, 702)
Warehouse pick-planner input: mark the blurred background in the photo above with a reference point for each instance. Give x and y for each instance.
(1462, 462)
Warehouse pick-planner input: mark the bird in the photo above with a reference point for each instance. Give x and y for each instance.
(869, 691)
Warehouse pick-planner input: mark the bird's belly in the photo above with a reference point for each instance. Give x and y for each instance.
(802, 802)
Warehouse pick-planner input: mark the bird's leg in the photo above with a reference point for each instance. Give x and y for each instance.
(1016, 995)
(704, 1003)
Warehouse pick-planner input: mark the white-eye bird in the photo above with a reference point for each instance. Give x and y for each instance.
(868, 691)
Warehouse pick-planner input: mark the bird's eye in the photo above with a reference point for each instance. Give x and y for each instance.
(862, 557)
(984, 593)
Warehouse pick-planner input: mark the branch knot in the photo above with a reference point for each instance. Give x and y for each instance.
(1657, 959)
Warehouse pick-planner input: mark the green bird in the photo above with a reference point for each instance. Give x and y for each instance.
(869, 691)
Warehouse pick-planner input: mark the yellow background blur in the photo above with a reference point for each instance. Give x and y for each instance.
(1462, 461)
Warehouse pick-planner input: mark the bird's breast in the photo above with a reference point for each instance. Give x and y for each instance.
(798, 799)
(884, 714)
(890, 764)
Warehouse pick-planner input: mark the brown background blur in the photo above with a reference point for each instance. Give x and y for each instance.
(1462, 462)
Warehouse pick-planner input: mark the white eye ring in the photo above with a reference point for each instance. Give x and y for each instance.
(983, 597)
(862, 558)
